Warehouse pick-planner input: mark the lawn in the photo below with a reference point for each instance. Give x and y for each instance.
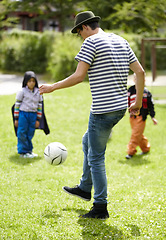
(32, 203)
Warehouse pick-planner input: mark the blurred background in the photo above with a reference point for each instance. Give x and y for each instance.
(35, 35)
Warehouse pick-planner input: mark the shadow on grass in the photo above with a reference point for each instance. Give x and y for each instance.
(135, 231)
(50, 215)
(49, 218)
(23, 161)
(136, 160)
(99, 229)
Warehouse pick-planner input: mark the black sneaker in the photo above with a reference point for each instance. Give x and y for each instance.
(76, 191)
(98, 211)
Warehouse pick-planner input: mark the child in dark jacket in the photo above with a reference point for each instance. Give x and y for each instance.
(138, 122)
(27, 114)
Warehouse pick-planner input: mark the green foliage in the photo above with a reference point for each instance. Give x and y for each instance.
(137, 16)
(55, 52)
(130, 15)
(6, 7)
(62, 62)
(59, 10)
(40, 52)
(22, 50)
(33, 205)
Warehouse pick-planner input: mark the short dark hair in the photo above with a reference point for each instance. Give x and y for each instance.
(80, 28)
(92, 25)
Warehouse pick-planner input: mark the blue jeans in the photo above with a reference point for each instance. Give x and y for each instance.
(25, 132)
(94, 146)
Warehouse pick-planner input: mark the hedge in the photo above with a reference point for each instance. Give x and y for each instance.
(53, 53)
(22, 50)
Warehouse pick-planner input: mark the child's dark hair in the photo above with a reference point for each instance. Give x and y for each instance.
(28, 75)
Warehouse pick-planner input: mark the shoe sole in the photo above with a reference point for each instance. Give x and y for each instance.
(26, 157)
(128, 157)
(86, 199)
(144, 153)
(98, 218)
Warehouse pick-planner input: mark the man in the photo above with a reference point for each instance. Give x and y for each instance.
(106, 58)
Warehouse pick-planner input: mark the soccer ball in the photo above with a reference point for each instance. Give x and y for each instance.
(55, 153)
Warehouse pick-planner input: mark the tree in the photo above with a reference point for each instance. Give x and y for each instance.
(104, 9)
(62, 10)
(140, 16)
(132, 15)
(7, 6)
(128, 15)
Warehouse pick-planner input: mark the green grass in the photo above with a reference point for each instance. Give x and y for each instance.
(32, 203)
(158, 92)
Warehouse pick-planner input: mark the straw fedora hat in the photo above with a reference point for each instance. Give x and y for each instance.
(82, 18)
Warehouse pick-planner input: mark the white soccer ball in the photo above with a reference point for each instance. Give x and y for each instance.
(55, 153)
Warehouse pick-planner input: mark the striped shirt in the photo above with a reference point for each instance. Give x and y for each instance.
(109, 57)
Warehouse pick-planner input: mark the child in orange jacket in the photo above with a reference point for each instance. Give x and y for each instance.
(138, 122)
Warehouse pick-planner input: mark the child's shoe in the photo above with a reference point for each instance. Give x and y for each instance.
(28, 155)
(128, 156)
(34, 154)
(143, 153)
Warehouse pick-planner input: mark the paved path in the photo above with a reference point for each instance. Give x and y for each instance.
(159, 81)
(10, 83)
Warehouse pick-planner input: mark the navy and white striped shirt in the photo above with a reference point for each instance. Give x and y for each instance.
(109, 57)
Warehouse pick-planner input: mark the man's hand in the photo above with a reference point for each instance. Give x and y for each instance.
(46, 88)
(134, 109)
(74, 79)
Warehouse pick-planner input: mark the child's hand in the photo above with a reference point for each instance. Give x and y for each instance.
(134, 109)
(154, 121)
(16, 123)
(37, 124)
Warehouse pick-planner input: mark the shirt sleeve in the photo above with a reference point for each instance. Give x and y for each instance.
(39, 109)
(87, 52)
(131, 54)
(150, 105)
(19, 98)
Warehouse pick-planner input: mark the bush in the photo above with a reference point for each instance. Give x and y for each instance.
(39, 52)
(23, 50)
(62, 62)
(54, 52)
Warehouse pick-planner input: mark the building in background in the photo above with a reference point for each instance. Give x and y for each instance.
(29, 21)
